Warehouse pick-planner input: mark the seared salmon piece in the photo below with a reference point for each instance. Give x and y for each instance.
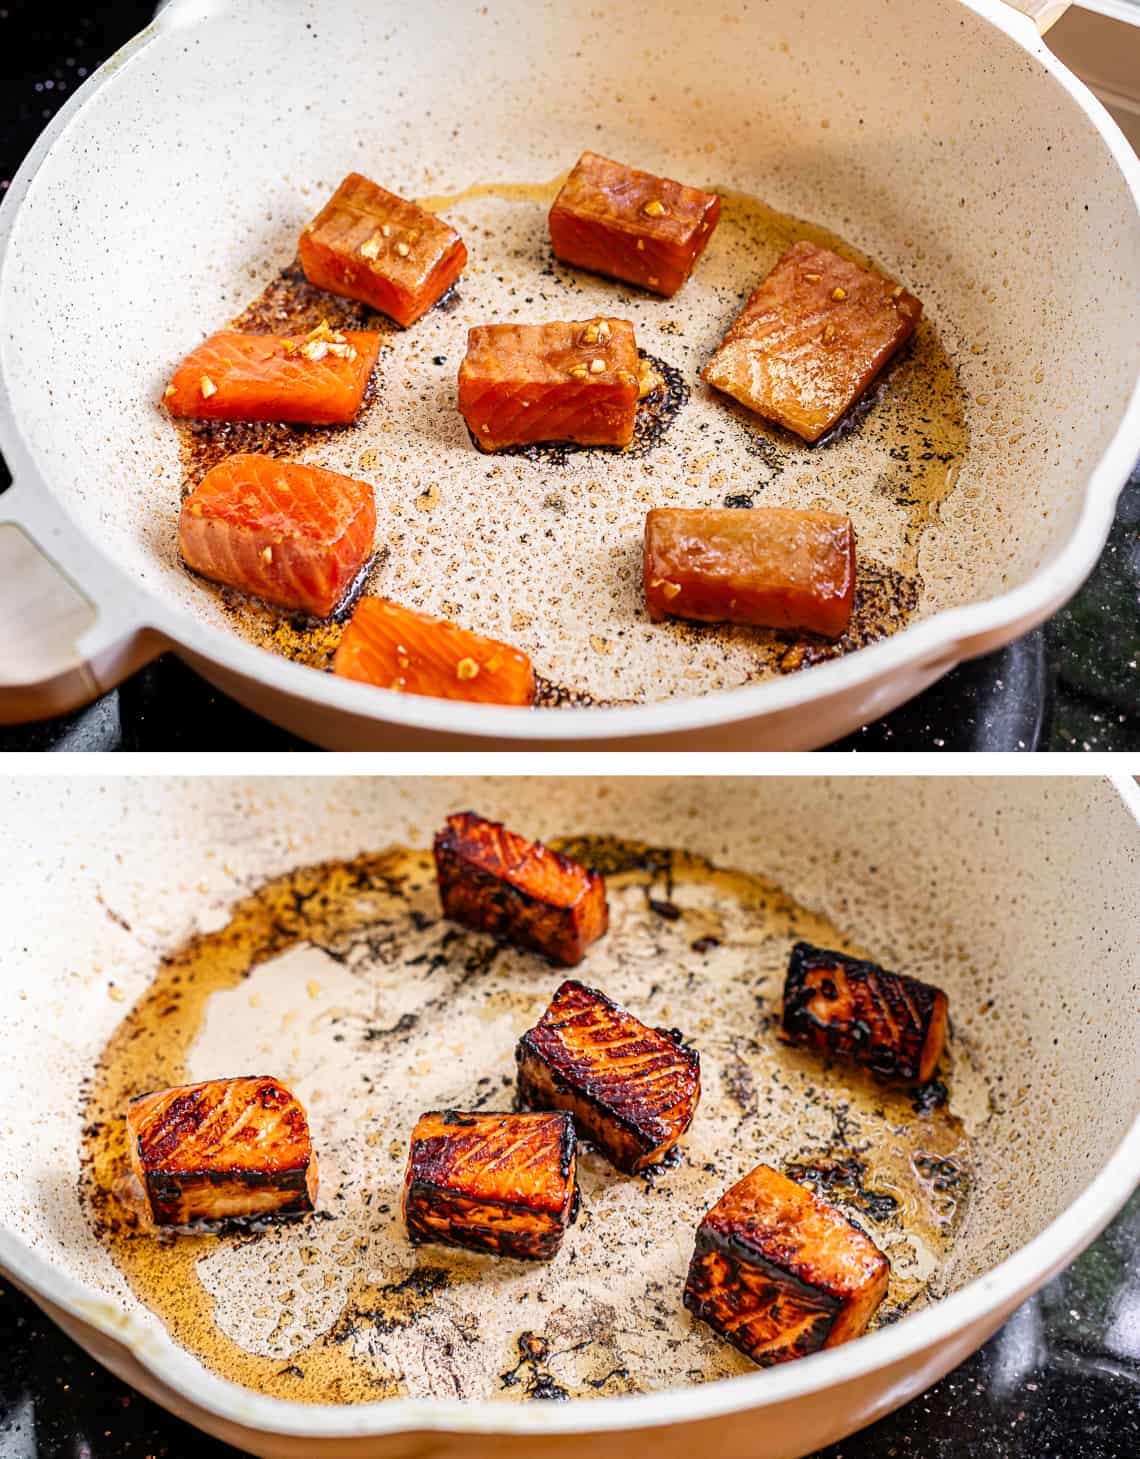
(780, 1273)
(294, 535)
(811, 339)
(314, 379)
(841, 1005)
(368, 244)
(632, 1090)
(222, 1149)
(769, 566)
(413, 653)
(631, 225)
(565, 381)
(502, 1183)
(496, 881)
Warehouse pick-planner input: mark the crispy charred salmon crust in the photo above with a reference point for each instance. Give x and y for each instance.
(500, 1183)
(497, 881)
(370, 244)
(811, 338)
(569, 380)
(221, 1150)
(893, 1024)
(633, 1090)
(770, 567)
(631, 225)
(780, 1273)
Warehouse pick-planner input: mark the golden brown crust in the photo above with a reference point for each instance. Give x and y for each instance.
(633, 1090)
(499, 1183)
(893, 1024)
(221, 1150)
(780, 1273)
(812, 337)
(496, 881)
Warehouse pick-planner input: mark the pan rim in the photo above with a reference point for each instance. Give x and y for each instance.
(931, 646)
(1011, 1280)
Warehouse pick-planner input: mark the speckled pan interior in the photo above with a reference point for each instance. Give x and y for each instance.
(164, 209)
(1017, 896)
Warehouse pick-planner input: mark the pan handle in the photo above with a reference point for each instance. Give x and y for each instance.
(69, 630)
(1043, 13)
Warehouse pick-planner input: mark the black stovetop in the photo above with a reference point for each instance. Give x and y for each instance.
(1072, 685)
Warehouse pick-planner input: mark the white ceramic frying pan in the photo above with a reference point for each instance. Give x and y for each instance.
(942, 139)
(1018, 896)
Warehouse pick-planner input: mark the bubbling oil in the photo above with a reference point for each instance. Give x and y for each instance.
(892, 462)
(343, 980)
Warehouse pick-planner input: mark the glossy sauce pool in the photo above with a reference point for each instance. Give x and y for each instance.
(343, 981)
(541, 547)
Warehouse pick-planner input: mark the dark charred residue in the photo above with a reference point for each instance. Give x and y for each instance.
(842, 1178)
(655, 414)
(404, 1024)
(929, 1096)
(549, 695)
(739, 1083)
(531, 1371)
(669, 910)
(396, 1305)
(650, 1174)
(705, 944)
(741, 499)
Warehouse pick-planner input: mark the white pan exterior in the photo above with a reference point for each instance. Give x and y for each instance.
(943, 138)
(1026, 886)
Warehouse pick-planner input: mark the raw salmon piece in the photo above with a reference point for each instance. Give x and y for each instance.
(366, 243)
(893, 1024)
(780, 1273)
(564, 381)
(314, 379)
(295, 535)
(632, 1090)
(221, 1149)
(811, 339)
(502, 1183)
(413, 653)
(768, 566)
(497, 881)
(631, 225)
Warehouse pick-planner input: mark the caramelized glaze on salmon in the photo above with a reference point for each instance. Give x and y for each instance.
(840, 1005)
(563, 381)
(631, 225)
(369, 244)
(780, 1273)
(768, 566)
(632, 1090)
(497, 881)
(812, 337)
(222, 1149)
(413, 653)
(501, 1183)
(294, 535)
(314, 379)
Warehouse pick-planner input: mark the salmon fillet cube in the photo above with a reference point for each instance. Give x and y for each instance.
(413, 653)
(631, 225)
(564, 381)
(500, 1183)
(844, 1006)
(314, 379)
(769, 566)
(369, 244)
(296, 536)
(812, 337)
(496, 881)
(633, 1090)
(780, 1273)
(220, 1150)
